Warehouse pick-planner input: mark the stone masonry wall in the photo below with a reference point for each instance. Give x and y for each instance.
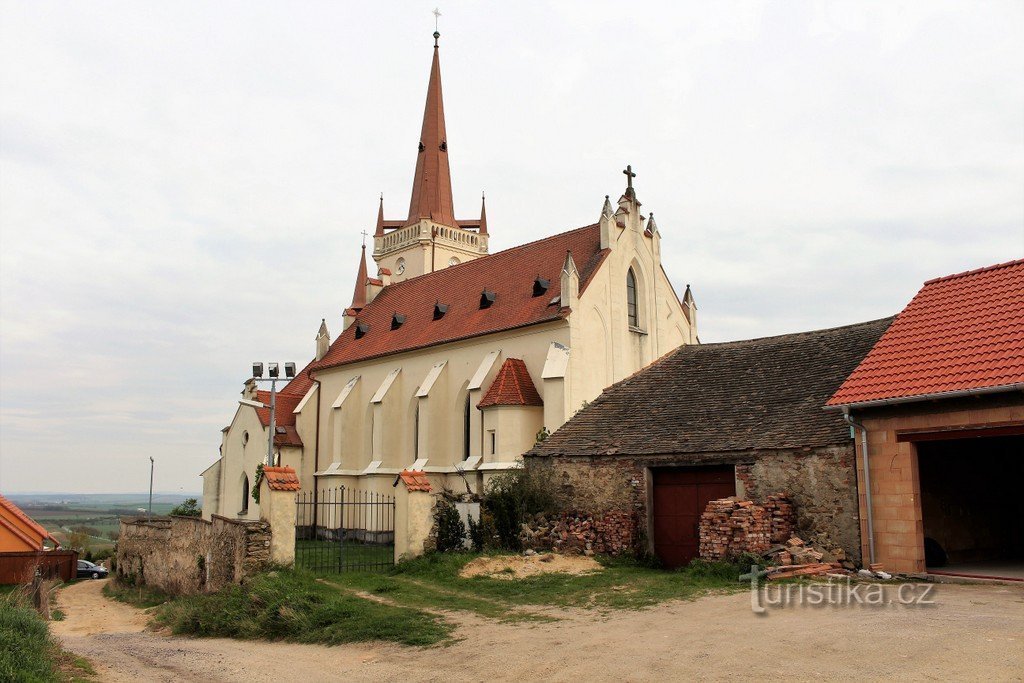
(186, 555)
(820, 482)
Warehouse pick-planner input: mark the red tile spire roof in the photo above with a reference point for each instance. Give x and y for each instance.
(359, 295)
(511, 387)
(509, 274)
(483, 215)
(963, 332)
(432, 182)
(379, 232)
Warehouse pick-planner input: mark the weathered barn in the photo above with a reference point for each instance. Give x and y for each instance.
(713, 420)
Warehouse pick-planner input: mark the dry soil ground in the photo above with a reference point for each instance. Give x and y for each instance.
(972, 633)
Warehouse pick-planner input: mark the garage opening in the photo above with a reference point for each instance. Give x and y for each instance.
(679, 497)
(972, 506)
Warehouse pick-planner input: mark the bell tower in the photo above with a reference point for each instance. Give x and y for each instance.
(430, 238)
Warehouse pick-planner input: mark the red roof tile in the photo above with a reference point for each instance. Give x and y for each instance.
(959, 333)
(287, 436)
(510, 274)
(512, 386)
(13, 511)
(415, 480)
(281, 478)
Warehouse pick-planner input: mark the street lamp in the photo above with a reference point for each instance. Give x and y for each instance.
(273, 370)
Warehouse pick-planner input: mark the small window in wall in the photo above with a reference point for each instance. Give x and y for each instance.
(245, 438)
(245, 495)
(493, 440)
(631, 307)
(416, 433)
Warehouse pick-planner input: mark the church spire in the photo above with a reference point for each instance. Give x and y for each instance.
(432, 182)
(359, 295)
(380, 218)
(483, 214)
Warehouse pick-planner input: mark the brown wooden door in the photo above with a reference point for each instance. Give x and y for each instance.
(680, 496)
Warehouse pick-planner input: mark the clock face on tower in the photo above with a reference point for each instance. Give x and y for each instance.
(453, 261)
(400, 266)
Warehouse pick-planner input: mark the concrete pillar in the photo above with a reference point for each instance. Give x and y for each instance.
(277, 508)
(414, 506)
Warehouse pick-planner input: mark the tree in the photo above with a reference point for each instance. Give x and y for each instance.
(78, 541)
(190, 508)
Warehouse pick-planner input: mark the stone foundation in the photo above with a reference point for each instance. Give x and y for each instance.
(186, 555)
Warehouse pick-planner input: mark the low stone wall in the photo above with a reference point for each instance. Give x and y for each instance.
(186, 555)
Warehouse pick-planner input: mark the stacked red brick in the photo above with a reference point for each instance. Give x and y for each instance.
(730, 527)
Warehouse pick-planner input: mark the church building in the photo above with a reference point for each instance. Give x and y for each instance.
(452, 360)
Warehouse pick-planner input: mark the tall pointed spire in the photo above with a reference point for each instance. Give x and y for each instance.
(359, 295)
(483, 214)
(432, 182)
(380, 218)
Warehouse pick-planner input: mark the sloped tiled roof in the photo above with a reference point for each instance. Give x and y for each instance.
(512, 386)
(415, 480)
(281, 478)
(8, 508)
(961, 332)
(712, 398)
(510, 274)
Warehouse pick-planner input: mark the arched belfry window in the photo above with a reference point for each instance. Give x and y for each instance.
(245, 494)
(632, 311)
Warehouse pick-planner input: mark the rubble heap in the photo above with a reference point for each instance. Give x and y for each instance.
(730, 527)
(580, 533)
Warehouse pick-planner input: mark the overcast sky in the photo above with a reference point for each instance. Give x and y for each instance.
(182, 185)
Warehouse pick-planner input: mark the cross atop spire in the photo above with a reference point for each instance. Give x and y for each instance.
(437, 15)
(432, 182)
(629, 181)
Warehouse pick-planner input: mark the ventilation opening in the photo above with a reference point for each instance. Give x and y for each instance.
(540, 285)
(361, 330)
(439, 310)
(396, 321)
(487, 298)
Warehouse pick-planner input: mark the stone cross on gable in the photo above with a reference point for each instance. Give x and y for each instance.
(629, 180)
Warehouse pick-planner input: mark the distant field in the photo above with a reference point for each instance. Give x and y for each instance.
(60, 513)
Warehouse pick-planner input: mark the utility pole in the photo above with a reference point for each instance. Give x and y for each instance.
(151, 487)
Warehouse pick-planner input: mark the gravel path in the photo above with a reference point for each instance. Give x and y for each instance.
(972, 632)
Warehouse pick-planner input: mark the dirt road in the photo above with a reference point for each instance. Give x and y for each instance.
(972, 632)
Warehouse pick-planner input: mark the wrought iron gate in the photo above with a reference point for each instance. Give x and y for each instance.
(342, 529)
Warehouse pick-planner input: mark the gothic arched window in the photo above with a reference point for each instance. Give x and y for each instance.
(245, 494)
(632, 311)
(465, 429)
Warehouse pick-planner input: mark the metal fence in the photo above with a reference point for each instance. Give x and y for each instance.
(343, 529)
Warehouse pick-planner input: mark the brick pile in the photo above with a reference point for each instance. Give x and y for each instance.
(730, 527)
(611, 533)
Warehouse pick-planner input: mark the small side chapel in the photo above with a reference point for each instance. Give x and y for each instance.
(451, 359)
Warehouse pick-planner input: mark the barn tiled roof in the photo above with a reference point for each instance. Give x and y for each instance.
(961, 332)
(710, 398)
(512, 386)
(510, 274)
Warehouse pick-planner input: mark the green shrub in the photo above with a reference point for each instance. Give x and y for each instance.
(189, 508)
(27, 652)
(511, 496)
(451, 532)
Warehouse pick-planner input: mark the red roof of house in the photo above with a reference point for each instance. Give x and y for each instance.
(281, 478)
(960, 333)
(415, 480)
(510, 274)
(13, 511)
(511, 387)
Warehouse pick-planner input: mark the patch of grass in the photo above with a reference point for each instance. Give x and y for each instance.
(328, 556)
(294, 606)
(623, 584)
(143, 597)
(27, 652)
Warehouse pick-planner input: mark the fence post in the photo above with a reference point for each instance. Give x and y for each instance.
(414, 504)
(277, 508)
